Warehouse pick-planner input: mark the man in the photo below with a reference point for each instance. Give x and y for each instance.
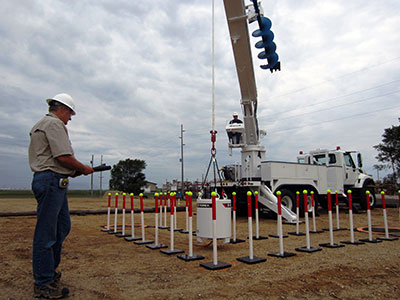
(52, 160)
(234, 137)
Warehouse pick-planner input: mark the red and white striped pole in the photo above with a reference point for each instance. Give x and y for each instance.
(251, 259)
(297, 232)
(370, 239)
(313, 215)
(190, 256)
(156, 245)
(308, 247)
(337, 212)
(132, 237)
(281, 252)
(115, 216)
(161, 211)
(108, 214)
(352, 241)
(215, 264)
(387, 237)
(186, 213)
(257, 236)
(123, 215)
(331, 244)
(143, 240)
(171, 249)
(234, 240)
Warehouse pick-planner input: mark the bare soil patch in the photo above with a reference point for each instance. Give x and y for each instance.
(96, 265)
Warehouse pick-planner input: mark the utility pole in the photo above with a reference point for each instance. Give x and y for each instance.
(91, 177)
(181, 160)
(101, 177)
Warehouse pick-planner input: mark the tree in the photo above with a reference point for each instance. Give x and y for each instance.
(127, 176)
(389, 150)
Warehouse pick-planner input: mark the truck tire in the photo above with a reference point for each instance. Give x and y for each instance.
(288, 200)
(372, 198)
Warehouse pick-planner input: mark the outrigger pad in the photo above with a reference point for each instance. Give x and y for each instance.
(370, 241)
(141, 242)
(295, 233)
(131, 239)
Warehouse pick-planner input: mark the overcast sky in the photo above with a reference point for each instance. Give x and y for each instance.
(137, 70)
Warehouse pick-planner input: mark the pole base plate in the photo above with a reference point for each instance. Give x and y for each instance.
(131, 239)
(277, 236)
(158, 246)
(335, 229)
(170, 252)
(352, 243)
(250, 261)
(329, 245)
(220, 265)
(141, 242)
(370, 241)
(295, 233)
(237, 241)
(316, 231)
(390, 239)
(308, 250)
(186, 257)
(282, 255)
(260, 238)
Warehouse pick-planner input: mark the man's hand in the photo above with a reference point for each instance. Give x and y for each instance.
(70, 162)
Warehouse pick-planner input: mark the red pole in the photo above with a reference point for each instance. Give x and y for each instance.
(190, 204)
(350, 200)
(234, 201)
(109, 199)
(132, 201)
(383, 200)
(368, 204)
(172, 204)
(249, 212)
(279, 204)
(297, 199)
(116, 200)
(214, 208)
(329, 201)
(156, 203)
(305, 201)
(123, 200)
(141, 202)
(337, 198)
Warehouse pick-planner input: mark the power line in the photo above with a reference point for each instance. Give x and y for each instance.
(335, 106)
(335, 98)
(336, 78)
(334, 120)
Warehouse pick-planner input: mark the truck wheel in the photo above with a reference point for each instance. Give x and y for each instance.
(372, 198)
(288, 200)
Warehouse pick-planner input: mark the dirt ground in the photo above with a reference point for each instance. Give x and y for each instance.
(96, 265)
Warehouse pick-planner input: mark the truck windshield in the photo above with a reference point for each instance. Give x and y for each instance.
(320, 159)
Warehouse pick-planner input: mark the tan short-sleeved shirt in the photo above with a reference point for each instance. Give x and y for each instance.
(49, 140)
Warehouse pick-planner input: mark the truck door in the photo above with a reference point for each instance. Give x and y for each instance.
(351, 171)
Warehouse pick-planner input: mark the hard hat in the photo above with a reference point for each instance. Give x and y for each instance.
(64, 99)
(235, 114)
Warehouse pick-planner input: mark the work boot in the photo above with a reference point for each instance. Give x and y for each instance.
(50, 291)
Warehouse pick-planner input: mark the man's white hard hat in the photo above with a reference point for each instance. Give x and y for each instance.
(64, 99)
(235, 114)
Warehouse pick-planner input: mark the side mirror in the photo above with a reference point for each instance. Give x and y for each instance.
(359, 160)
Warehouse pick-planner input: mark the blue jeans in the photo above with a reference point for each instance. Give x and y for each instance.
(52, 226)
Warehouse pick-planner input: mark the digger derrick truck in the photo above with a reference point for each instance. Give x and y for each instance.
(316, 171)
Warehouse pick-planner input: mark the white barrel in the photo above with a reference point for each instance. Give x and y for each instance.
(204, 218)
